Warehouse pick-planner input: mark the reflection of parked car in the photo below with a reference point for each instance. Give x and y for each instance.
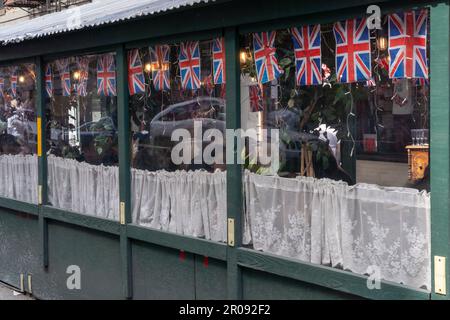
(104, 126)
(210, 111)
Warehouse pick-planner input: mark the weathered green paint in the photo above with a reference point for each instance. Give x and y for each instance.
(234, 171)
(124, 166)
(42, 159)
(203, 247)
(324, 276)
(89, 222)
(440, 137)
(19, 206)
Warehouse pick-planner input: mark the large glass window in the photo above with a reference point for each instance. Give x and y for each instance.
(18, 133)
(82, 135)
(177, 109)
(347, 112)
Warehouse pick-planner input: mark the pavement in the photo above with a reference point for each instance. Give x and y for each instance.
(7, 293)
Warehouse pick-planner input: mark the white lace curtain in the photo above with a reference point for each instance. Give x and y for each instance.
(83, 188)
(19, 177)
(189, 203)
(318, 221)
(331, 223)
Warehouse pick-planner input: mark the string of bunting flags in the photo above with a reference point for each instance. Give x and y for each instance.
(407, 50)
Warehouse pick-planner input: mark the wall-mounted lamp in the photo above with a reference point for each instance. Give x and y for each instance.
(21, 79)
(243, 56)
(148, 67)
(76, 75)
(382, 43)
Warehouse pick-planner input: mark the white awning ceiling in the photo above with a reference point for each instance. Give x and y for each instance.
(96, 13)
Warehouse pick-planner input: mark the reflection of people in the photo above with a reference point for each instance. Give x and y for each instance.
(9, 145)
(330, 168)
(328, 134)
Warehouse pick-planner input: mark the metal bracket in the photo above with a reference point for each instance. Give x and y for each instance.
(440, 286)
(231, 232)
(22, 284)
(40, 194)
(30, 288)
(122, 213)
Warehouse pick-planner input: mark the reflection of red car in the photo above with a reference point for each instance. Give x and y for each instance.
(210, 111)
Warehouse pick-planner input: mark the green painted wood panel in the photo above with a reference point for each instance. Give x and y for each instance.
(210, 279)
(96, 253)
(19, 248)
(162, 274)
(265, 286)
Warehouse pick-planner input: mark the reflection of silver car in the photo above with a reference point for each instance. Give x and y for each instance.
(103, 126)
(209, 111)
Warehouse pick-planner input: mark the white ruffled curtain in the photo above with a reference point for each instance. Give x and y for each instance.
(19, 177)
(350, 227)
(318, 221)
(83, 188)
(189, 203)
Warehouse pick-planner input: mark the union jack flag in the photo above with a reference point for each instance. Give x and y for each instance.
(353, 57)
(106, 75)
(2, 87)
(265, 56)
(136, 80)
(218, 52)
(308, 61)
(160, 62)
(408, 44)
(421, 82)
(48, 81)
(83, 65)
(13, 81)
(190, 65)
(64, 73)
(255, 94)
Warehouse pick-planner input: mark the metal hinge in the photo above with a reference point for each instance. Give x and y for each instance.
(122, 213)
(22, 284)
(30, 288)
(40, 194)
(231, 232)
(440, 286)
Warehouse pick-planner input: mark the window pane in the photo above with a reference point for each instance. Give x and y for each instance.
(348, 184)
(18, 133)
(82, 135)
(178, 138)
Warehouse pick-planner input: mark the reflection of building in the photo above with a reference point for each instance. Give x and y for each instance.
(16, 10)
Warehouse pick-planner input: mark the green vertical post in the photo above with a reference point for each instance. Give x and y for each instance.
(234, 171)
(124, 168)
(42, 156)
(440, 138)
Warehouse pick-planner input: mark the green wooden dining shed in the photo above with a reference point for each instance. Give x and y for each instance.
(352, 97)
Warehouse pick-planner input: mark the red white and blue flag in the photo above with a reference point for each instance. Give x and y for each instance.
(2, 87)
(64, 73)
(83, 65)
(218, 52)
(136, 80)
(48, 81)
(13, 81)
(160, 63)
(189, 61)
(106, 75)
(264, 53)
(408, 45)
(256, 103)
(308, 60)
(353, 56)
